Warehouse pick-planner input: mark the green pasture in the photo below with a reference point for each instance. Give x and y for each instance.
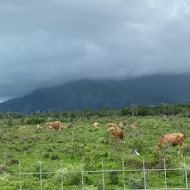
(82, 145)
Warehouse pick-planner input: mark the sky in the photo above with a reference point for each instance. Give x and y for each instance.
(45, 43)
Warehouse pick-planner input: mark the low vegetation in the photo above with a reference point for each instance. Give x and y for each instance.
(84, 147)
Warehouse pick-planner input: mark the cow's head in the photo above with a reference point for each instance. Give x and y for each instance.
(157, 147)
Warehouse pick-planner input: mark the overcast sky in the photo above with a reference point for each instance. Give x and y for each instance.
(49, 42)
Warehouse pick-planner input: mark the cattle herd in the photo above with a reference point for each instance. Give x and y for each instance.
(173, 138)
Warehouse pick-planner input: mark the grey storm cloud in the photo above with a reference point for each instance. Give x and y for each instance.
(49, 42)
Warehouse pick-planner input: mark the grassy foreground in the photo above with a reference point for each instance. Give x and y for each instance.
(84, 144)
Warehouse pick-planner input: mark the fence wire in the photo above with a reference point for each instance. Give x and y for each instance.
(122, 171)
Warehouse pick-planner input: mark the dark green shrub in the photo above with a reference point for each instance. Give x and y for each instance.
(46, 155)
(3, 168)
(113, 176)
(35, 120)
(54, 157)
(136, 183)
(14, 161)
(10, 121)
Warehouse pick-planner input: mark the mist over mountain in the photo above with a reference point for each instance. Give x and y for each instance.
(82, 94)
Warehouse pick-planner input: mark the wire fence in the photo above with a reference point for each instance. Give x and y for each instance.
(144, 171)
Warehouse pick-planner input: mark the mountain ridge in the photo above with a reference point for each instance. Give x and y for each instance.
(81, 94)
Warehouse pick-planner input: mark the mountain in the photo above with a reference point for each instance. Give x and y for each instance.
(149, 90)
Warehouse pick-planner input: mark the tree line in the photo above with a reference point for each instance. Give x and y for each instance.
(133, 111)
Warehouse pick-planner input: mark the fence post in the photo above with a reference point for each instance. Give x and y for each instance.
(185, 174)
(61, 176)
(5, 166)
(123, 164)
(19, 168)
(165, 174)
(82, 171)
(103, 183)
(144, 172)
(73, 151)
(41, 183)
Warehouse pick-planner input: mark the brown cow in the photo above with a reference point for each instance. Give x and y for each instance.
(121, 124)
(111, 129)
(174, 139)
(134, 126)
(112, 125)
(64, 127)
(95, 125)
(118, 133)
(54, 124)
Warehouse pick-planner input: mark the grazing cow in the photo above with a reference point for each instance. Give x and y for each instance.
(134, 126)
(121, 124)
(112, 125)
(174, 139)
(54, 124)
(95, 125)
(39, 127)
(119, 134)
(64, 127)
(111, 129)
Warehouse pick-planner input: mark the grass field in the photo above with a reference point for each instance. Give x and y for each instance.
(83, 143)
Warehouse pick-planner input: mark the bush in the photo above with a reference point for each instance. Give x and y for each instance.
(113, 176)
(70, 178)
(10, 121)
(137, 143)
(35, 120)
(37, 170)
(135, 183)
(3, 168)
(15, 161)
(46, 155)
(54, 157)
(168, 153)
